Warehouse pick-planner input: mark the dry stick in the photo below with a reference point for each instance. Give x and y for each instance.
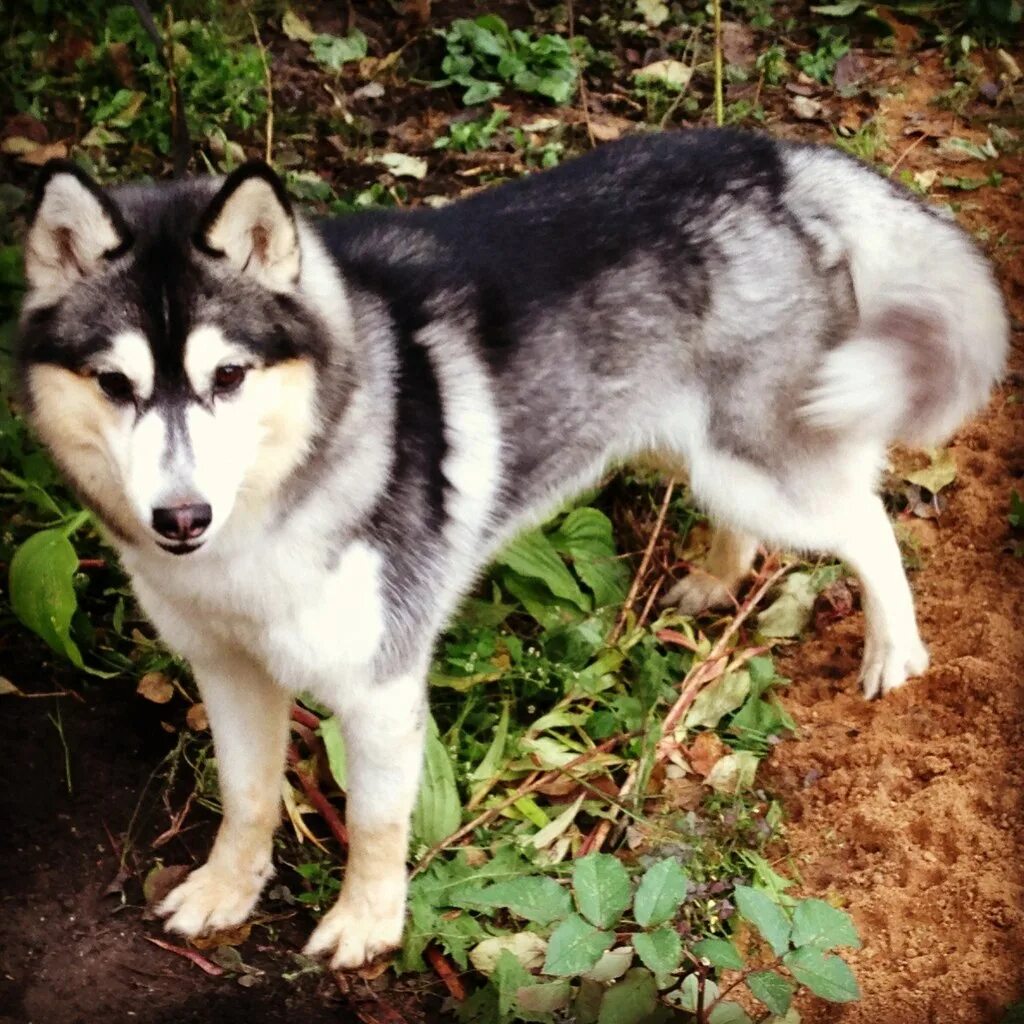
(906, 152)
(304, 717)
(642, 618)
(719, 100)
(317, 799)
(269, 88)
(584, 99)
(202, 962)
(699, 676)
(532, 782)
(446, 973)
(645, 562)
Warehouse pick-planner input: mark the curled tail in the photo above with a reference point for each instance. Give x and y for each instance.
(916, 366)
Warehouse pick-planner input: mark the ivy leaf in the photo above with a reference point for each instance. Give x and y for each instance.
(826, 976)
(661, 891)
(720, 952)
(575, 947)
(775, 991)
(602, 888)
(817, 923)
(765, 916)
(660, 950)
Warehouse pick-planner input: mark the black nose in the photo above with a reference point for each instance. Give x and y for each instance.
(182, 522)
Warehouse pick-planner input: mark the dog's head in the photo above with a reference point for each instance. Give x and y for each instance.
(170, 345)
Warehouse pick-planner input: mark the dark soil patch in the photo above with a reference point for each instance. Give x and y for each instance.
(70, 951)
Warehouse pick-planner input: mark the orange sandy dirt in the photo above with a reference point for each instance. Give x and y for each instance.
(908, 811)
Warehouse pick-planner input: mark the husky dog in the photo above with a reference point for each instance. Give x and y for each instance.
(305, 438)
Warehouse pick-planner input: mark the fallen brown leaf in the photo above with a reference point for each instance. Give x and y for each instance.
(705, 752)
(156, 687)
(43, 154)
(197, 719)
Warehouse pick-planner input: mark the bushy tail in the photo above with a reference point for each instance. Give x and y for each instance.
(915, 367)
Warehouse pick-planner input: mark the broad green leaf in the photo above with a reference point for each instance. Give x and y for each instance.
(720, 952)
(765, 916)
(827, 976)
(438, 811)
(613, 965)
(508, 977)
(550, 611)
(586, 537)
(718, 699)
(790, 613)
(939, 473)
(525, 948)
(42, 590)
(775, 991)
(602, 888)
(534, 556)
(294, 26)
(817, 923)
(660, 950)
(660, 893)
(843, 9)
(334, 743)
(733, 773)
(575, 947)
(481, 92)
(491, 762)
(728, 1013)
(543, 997)
(334, 51)
(631, 1000)
(534, 898)
(685, 997)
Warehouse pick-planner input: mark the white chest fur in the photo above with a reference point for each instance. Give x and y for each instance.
(303, 621)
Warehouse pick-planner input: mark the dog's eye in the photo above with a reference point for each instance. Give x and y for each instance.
(228, 378)
(116, 386)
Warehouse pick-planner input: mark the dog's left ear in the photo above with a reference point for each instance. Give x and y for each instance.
(250, 223)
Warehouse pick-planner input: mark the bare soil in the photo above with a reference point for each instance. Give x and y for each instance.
(909, 810)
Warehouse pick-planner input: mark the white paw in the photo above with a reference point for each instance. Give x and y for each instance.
(889, 664)
(698, 592)
(356, 931)
(212, 898)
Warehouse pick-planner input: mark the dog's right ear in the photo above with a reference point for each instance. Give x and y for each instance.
(76, 227)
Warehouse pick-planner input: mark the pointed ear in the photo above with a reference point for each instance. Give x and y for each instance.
(250, 223)
(76, 228)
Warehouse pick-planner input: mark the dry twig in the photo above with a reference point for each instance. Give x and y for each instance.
(644, 564)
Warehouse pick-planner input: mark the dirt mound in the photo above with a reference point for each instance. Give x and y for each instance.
(909, 810)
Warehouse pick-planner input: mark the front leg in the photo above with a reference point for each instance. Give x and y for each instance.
(384, 725)
(249, 718)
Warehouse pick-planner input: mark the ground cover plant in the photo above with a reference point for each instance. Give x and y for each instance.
(596, 838)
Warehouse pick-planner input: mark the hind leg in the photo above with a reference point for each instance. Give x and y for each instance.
(714, 584)
(893, 650)
(829, 505)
